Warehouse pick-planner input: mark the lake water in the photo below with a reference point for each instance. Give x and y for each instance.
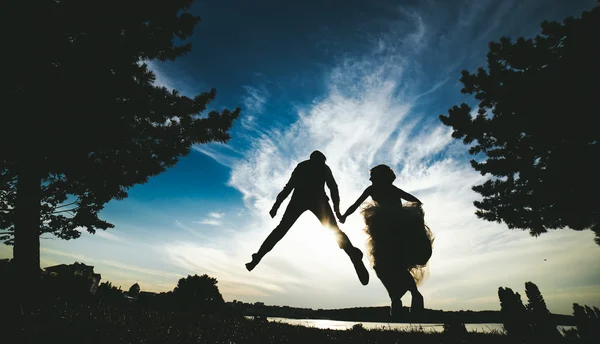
(344, 325)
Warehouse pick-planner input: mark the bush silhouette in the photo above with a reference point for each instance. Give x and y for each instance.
(198, 294)
(107, 292)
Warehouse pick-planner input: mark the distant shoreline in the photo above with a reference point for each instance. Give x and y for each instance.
(330, 324)
(390, 321)
(381, 315)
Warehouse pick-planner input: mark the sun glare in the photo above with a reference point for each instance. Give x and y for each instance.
(311, 244)
(314, 248)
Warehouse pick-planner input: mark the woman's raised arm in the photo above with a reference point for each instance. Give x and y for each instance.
(356, 204)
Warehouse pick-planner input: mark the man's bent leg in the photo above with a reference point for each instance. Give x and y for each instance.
(324, 213)
(292, 213)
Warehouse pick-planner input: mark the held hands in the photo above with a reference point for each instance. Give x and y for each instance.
(340, 217)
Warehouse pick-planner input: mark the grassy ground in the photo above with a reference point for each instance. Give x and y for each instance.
(111, 324)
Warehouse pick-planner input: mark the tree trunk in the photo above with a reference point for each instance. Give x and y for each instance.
(26, 250)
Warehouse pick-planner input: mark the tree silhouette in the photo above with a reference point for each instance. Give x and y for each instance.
(514, 313)
(198, 294)
(134, 290)
(535, 300)
(87, 121)
(539, 315)
(525, 321)
(587, 320)
(106, 291)
(533, 131)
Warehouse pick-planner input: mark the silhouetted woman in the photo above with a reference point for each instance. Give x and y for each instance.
(399, 241)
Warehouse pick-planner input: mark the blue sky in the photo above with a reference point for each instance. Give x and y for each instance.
(364, 83)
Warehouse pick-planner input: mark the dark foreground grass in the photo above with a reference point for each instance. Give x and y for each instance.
(111, 324)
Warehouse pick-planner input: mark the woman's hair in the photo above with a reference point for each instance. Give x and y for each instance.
(383, 173)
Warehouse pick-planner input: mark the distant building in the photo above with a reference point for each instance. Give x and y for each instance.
(76, 269)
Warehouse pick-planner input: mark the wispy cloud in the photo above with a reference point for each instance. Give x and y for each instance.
(190, 230)
(139, 270)
(212, 219)
(53, 252)
(373, 112)
(105, 234)
(254, 104)
(216, 215)
(210, 222)
(224, 154)
(366, 118)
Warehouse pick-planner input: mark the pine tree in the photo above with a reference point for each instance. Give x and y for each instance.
(581, 321)
(513, 312)
(539, 316)
(86, 120)
(534, 130)
(535, 300)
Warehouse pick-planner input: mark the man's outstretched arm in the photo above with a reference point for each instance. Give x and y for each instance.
(333, 189)
(287, 189)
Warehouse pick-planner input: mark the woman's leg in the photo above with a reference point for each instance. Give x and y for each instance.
(417, 303)
(394, 285)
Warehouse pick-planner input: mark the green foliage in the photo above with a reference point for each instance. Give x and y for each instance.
(97, 125)
(198, 294)
(533, 131)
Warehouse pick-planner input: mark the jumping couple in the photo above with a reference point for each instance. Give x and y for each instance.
(399, 242)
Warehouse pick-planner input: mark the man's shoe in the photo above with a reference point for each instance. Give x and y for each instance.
(250, 266)
(356, 258)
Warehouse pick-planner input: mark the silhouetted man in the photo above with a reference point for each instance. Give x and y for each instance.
(308, 181)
